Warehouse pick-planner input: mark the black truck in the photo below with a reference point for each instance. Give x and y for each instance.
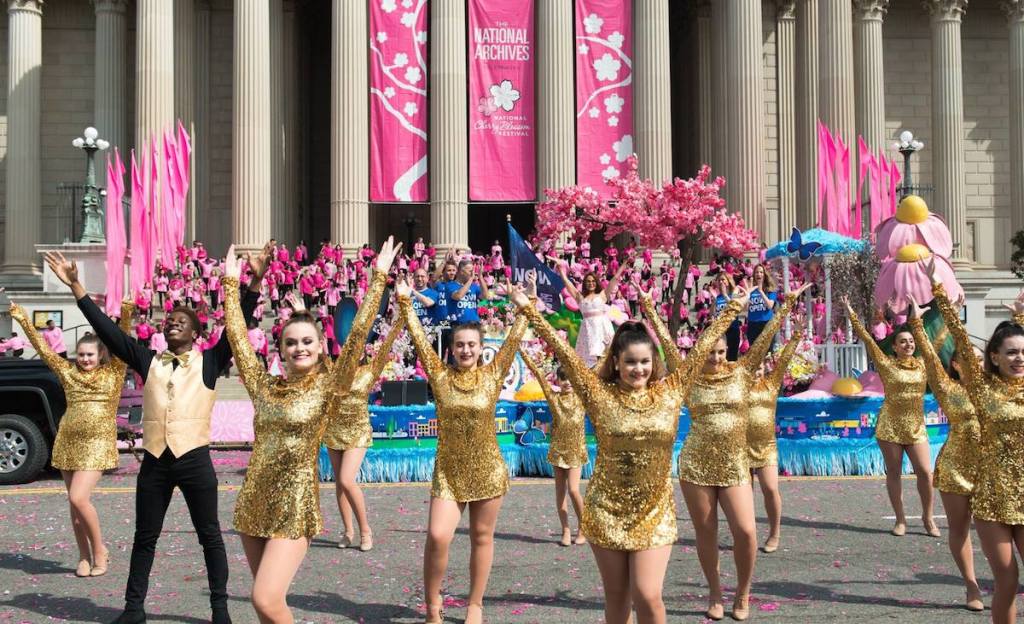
(31, 405)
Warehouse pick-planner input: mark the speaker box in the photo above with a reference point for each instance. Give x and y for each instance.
(412, 392)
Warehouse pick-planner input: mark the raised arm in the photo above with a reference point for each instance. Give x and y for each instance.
(355, 342)
(57, 364)
(573, 291)
(507, 353)
(673, 358)
(431, 361)
(938, 378)
(968, 363)
(779, 372)
(759, 350)
(878, 357)
(582, 378)
(249, 366)
(613, 283)
(539, 375)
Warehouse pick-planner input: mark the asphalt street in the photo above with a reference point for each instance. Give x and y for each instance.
(837, 562)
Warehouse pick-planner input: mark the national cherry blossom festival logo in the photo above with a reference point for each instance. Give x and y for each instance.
(503, 96)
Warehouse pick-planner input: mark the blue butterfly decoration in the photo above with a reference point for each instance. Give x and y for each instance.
(796, 245)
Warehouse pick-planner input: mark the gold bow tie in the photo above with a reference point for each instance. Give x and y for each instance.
(167, 358)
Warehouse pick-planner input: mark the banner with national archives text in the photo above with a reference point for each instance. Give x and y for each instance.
(398, 100)
(604, 90)
(502, 124)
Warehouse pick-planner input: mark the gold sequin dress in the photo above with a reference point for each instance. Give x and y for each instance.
(629, 504)
(901, 419)
(999, 485)
(87, 434)
(280, 496)
(956, 467)
(568, 440)
(762, 446)
(469, 465)
(715, 453)
(350, 425)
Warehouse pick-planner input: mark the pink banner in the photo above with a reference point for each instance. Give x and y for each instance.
(398, 101)
(604, 91)
(502, 135)
(116, 244)
(139, 225)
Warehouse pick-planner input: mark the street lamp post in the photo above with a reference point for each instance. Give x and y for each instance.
(92, 224)
(907, 145)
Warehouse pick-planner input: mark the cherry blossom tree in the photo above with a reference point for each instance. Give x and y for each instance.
(682, 215)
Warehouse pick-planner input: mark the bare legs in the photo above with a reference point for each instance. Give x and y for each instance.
(998, 542)
(738, 504)
(958, 515)
(567, 481)
(273, 563)
(920, 458)
(441, 525)
(768, 477)
(348, 493)
(633, 579)
(92, 552)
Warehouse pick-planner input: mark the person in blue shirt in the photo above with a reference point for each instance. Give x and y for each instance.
(444, 287)
(471, 289)
(725, 287)
(762, 303)
(424, 298)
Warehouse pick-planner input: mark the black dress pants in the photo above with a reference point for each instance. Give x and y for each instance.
(193, 474)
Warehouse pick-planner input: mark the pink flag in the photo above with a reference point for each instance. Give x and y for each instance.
(877, 193)
(184, 160)
(175, 199)
(865, 158)
(153, 214)
(139, 226)
(894, 179)
(115, 234)
(823, 175)
(842, 177)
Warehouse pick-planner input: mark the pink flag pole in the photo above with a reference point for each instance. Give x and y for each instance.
(139, 228)
(115, 235)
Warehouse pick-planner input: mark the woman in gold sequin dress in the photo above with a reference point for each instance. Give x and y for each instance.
(629, 514)
(469, 470)
(350, 434)
(713, 465)
(278, 508)
(956, 466)
(997, 392)
(900, 426)
(86, 442)
(567, 452)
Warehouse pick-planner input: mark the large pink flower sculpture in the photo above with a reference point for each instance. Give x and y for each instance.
(913, 223)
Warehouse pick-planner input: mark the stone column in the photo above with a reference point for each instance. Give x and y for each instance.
(111, 91)
(350, 168)
(250, 172)
(184, 63)
(154, 63)
(200, 190)
(23, 226)
(449, 184)
(719, 91)
(1015, 14)
(278, 210)
(745, 113)
(705, 79)
(948, 121)
(870, 80)
(786, 59)
(652, 90)
(835, 74)
(556, 121)
(290, 143)
(806, 113)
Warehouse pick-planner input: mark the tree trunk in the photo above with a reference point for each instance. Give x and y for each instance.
(687, 247)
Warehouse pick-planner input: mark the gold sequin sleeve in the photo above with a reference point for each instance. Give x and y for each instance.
(507, 353)
(878, 357)
(972, 372)
(125, 323)
(682, 378)
(352, 350)
(673, 358)
(1017, 318)
(249, 366)
(432, 363)
(56, 363)
(539, 375)
(782, 363)
(586, 384)
(938, 379)
(759, 350)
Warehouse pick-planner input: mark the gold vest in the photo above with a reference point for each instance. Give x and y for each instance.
(176, 407)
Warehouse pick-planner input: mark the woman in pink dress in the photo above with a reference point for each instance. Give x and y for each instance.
(596, 329)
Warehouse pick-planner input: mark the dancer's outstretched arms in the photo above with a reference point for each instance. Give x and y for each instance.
(682, 378)
(249, 366)
(384, 352)
(938, 379)
(878, 357)
(507, 353)
(972, 372)
(779, 372)
(673, 358)
(538, 374)
(56, 363)
(218, 358)
(759, 350)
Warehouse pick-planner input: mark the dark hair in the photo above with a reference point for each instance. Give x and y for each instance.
(627, 335)
(1004, 331)
(192, 317)
(470, 326)
(93, 339)
(953, 374)
(597, 282)
(560, 373)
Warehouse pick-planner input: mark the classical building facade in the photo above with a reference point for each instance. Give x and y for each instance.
(276, 92)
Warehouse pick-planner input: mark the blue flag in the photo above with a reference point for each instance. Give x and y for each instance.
(522, 259)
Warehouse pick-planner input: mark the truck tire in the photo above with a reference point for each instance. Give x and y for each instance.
(23, 450)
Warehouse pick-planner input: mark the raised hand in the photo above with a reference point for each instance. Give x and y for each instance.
(929, 269)
(914, 310)
(800, 291)
(1017, 307)
(517, 295)
(260, 263)
(741, 295)
(295, 302)
(388, 252)
(402, 287)
(232, 267)
(65, 270)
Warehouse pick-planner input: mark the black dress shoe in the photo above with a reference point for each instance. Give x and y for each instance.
(221, 616)
(131, 617)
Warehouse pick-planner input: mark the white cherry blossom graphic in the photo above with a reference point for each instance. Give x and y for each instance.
(605, 159)
(413, 75)
(616, 39)
(410, 109)
(382, 37)
(593, 23)
(389, 92)
(486, 106)
(613, 103)
(607, 67)
(406, 4)
(388, 5)
(504, 95)
(595, 112)
(613, 121)
(583, 48)
(408, 19)
(401, 59)
(623, 147)
(610, 172)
